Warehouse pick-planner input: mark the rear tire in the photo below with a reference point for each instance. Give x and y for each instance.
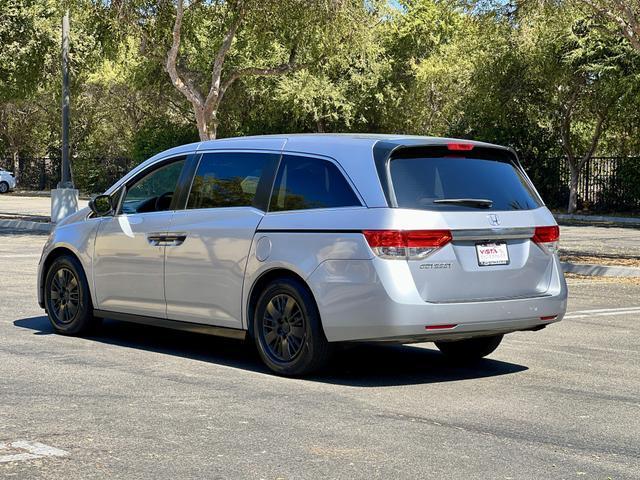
(67, 297)
(470, 350)
(288, 331)
(4, 187)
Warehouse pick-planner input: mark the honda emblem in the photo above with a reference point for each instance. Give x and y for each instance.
(493, 219)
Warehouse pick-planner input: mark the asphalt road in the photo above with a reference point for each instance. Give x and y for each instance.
(29, 206)
(600, 240)
(138, 402)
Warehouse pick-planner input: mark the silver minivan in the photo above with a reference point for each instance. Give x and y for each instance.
(304, 241)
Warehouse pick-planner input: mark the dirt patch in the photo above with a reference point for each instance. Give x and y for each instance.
(589, 278)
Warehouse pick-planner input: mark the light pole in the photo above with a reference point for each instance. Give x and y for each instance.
(65, 177)
(64, 199)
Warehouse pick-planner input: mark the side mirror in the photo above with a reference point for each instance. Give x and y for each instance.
(101, 205)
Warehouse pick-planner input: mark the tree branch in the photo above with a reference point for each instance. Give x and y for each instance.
(185, 86)
(290, 66)
(213, 97)
(565, 128)
(594, 140)
(625, 18)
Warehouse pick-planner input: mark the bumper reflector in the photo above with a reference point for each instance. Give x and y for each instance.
(440, 327)
(550, 317)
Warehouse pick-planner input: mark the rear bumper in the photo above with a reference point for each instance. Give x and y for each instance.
(376, 300)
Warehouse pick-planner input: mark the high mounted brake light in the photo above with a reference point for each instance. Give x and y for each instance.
(406, 244)
(460, 147)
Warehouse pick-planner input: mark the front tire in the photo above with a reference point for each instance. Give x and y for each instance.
(67, 297)
(287, 329)
(470, 350)
(4, 187)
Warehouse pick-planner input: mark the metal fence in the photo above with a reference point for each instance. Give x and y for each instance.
(91, 175)
(607, 184)
(33, 173)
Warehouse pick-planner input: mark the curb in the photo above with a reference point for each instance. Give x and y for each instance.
(597, 218)
(600, 270)
(26, 225)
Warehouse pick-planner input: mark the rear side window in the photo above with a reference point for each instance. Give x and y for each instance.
(456, 183)
(227, 179)
(305, 183)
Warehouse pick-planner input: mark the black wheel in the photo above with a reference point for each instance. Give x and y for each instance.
(67, 297)
(471, 349)
(4, 187)
(287, 329)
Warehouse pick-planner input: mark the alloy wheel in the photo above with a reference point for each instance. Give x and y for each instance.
(283, 328)
(64, 293)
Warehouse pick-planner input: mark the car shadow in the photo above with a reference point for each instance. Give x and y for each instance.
(359, 365)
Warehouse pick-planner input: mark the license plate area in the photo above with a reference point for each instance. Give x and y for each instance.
(492, 253)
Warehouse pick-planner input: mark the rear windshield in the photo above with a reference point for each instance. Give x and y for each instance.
(455, 183)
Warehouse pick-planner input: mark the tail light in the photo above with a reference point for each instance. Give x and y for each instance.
(547, 237)
(406, 244)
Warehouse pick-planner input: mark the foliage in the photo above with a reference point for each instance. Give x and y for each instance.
(159, 134)
(537, 76)
(27, 37)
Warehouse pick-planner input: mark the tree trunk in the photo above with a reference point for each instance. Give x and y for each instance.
(16, 165)
(573, 189)
(203, 124)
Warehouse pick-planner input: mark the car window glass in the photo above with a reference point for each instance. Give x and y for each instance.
(427, 183)
(154, 191)
(227, 179)
(305, 183)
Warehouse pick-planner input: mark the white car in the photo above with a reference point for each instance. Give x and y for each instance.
(7, 181)
(304, 241)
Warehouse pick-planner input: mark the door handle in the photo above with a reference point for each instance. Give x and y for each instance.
(166, 239)
(155, 239)
(174, 240)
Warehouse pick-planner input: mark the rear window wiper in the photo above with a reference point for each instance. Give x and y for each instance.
(472, 202)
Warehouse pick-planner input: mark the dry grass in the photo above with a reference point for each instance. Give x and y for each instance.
(592, 260)
(571, 277)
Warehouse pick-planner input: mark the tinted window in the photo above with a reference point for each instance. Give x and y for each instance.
(227, 179)
(418, 182)
(304, 183)
(154, 191)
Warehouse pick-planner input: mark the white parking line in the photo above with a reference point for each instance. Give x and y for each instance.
(19, 255)
(603, 312)
(22, 450)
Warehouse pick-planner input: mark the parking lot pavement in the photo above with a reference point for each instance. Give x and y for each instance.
(28, 206)
(600, 240)
(139, 402)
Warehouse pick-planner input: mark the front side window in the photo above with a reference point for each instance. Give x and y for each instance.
(228, 179)
(154, 191)
(305, 183)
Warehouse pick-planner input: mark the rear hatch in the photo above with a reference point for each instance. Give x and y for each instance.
(497, 245)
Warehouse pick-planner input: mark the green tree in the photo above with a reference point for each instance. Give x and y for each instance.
(206, 47)
(624, 14)
(587, 75)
